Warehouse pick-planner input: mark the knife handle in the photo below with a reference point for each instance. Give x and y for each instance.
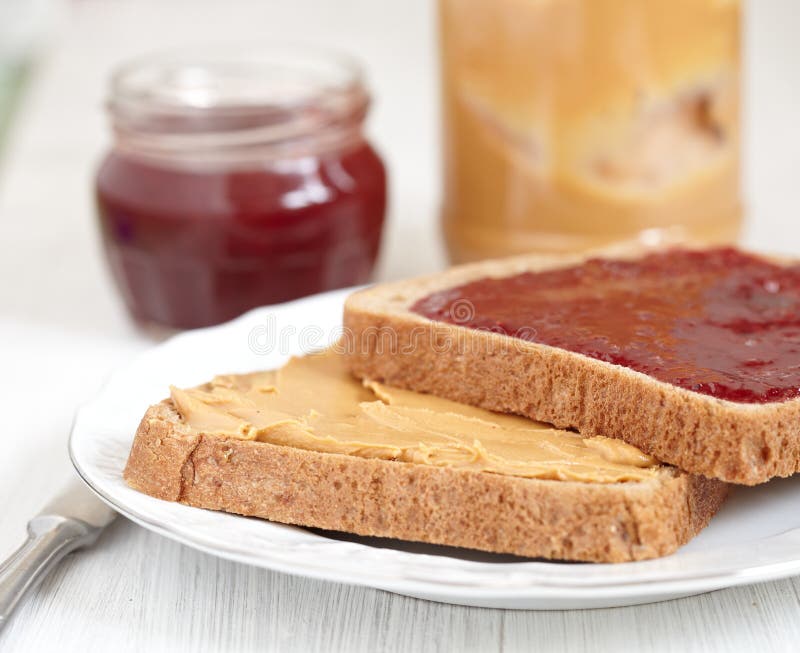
(50, 538)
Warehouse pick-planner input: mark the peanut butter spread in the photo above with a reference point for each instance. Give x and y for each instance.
(313, 403)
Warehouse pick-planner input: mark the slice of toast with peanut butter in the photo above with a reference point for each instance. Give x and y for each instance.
(310, 445)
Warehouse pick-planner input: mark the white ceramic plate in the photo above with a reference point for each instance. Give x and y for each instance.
(755, 537)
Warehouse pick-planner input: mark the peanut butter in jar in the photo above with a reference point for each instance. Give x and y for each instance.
(572, 124)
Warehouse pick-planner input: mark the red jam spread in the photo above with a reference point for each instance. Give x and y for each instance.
(719, 322)
(191, 248)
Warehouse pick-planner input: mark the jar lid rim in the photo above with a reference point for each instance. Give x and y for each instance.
(233, 79)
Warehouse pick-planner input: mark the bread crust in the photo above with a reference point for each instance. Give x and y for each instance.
(527, 517)
(735, 442)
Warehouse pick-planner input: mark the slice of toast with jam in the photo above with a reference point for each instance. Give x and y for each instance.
(691, 355)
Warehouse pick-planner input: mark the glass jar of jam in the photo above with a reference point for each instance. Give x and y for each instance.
(571, 124)
(237, 179)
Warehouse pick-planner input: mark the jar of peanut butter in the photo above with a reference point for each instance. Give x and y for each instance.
(572, 124)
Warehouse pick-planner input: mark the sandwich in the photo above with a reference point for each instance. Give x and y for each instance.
(690, 355)
(587, 408)
(311, 445)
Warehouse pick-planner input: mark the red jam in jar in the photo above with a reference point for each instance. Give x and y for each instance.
(237, 180)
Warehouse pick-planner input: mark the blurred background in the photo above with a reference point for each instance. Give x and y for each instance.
(56, 58)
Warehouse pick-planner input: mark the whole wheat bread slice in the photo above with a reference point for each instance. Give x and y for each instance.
(735, 442)
(611, 522)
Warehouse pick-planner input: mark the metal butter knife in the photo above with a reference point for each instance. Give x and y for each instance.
(72, 520)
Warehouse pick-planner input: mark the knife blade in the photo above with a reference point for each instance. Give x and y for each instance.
(74, 518)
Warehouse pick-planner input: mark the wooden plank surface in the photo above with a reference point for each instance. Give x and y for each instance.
(163, 596)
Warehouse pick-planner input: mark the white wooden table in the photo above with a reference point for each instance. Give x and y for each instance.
(62, 329)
